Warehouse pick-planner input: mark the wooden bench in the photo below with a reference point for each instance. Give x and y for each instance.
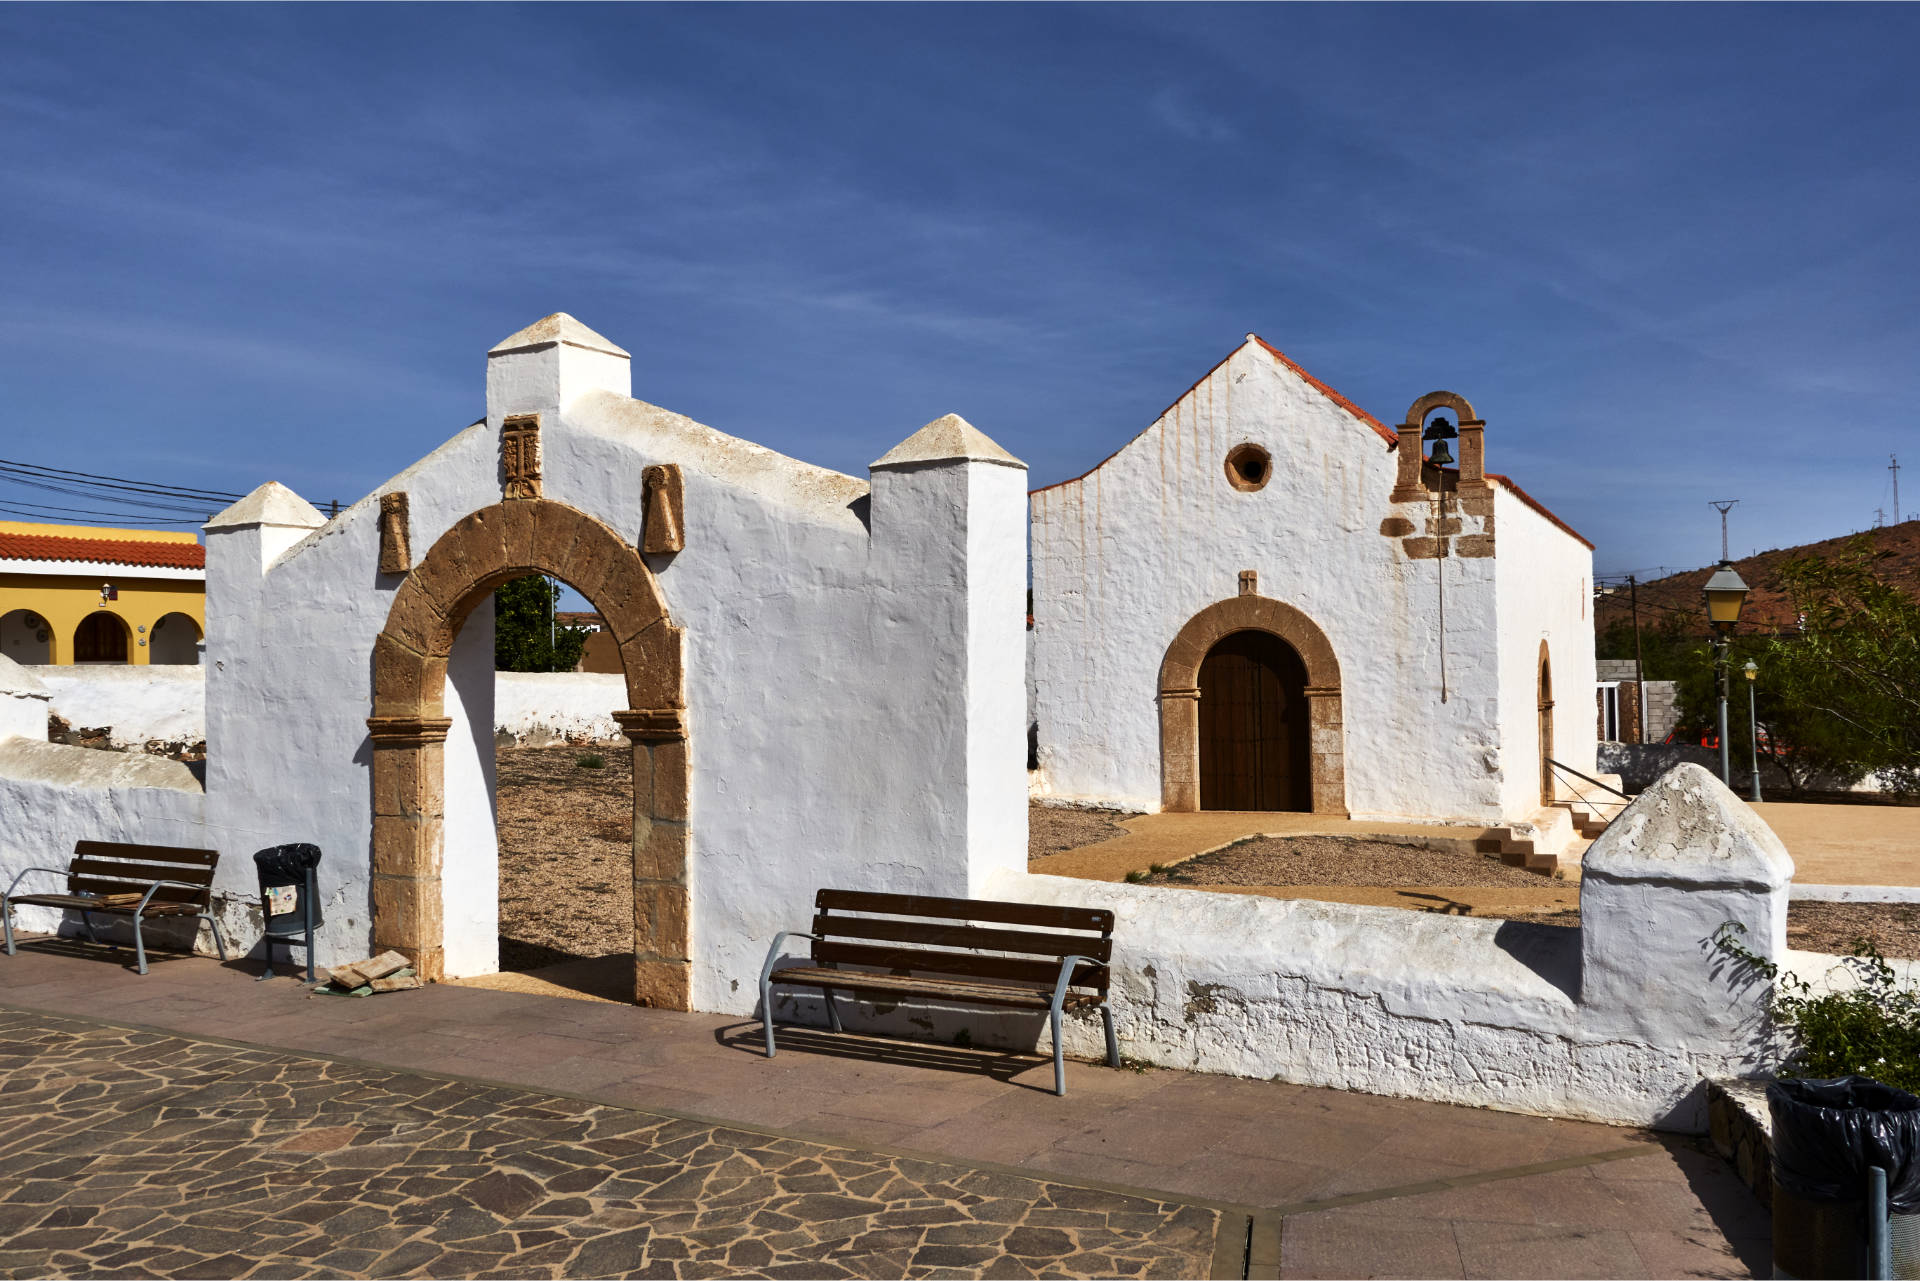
(893, 937)
(140, 881)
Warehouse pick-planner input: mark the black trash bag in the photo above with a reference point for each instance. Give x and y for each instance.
(286, 865)
(1826, 1134)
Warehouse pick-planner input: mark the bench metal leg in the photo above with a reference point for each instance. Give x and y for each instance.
(219, 943)
(833, 1011)
(139, 947)
(766, 1013)
(86, 919)
(6, 915)
(1059, 1060)
(1113, 1043)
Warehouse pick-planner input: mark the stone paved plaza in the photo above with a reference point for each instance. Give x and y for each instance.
(138, 1154)
(243, 1128)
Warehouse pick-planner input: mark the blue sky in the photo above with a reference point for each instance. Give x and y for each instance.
(1669, 252)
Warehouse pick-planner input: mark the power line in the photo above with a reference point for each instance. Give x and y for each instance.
(122, 482)
(42, 511)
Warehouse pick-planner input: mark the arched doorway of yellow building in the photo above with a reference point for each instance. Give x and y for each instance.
(175, 638)
(101, 637)
(26, 637)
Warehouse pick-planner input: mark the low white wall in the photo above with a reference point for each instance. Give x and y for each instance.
(165, 702)
(539, 709)
(1623, 1020)
(52, 795)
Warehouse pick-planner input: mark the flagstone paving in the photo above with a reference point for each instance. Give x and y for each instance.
(135, 1154)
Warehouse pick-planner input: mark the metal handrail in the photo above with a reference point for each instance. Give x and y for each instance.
(1596, 782)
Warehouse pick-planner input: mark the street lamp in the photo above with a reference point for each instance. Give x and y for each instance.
(1725, 593)
(1753, 726)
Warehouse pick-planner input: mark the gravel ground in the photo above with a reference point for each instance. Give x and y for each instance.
(566, 855)
(1054, 828)
(1342, 860)
(1894, 928)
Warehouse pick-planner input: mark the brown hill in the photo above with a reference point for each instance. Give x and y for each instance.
(1898, 547)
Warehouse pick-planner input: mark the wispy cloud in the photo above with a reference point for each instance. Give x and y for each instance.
(1177, 112)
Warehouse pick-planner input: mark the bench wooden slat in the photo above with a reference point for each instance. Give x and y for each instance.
(109, 870)
(935, 989)
(973, 965)
(967, 909)
(79, 903)
(146, 853)
(1031, 942)
(165, 894)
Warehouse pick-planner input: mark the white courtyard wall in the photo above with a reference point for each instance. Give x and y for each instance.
(470, 894)
(1623, 1020)
(53, 795)
(1545, 586)
(830, 671)
(163, 703)
(541, 709)
(1124, 556)
(143, 705)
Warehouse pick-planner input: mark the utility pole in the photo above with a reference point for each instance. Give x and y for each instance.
(1639, 668)
(1725, 505)
(1893, 465)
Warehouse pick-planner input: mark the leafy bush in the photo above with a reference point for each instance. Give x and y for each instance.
(592, 760)
(1871, 1030)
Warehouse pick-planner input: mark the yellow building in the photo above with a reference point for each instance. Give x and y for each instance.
(83, 594)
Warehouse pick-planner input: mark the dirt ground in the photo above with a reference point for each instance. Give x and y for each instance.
(1053, 828)
(1894, 928)
(566, 855)
(1342, 860)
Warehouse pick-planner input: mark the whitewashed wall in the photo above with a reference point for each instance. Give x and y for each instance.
(540, 709)
(141, 705)
(846, 692)
(1623, 1020)
(1126, 555)
(163, 703)
(1545, 589)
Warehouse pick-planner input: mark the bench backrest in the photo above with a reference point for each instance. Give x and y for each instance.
(103, 867)
(964, 937)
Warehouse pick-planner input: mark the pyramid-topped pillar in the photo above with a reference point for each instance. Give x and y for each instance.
(545, 366)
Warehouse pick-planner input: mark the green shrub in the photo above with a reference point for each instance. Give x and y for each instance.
(592, 760)
(1871, 1030)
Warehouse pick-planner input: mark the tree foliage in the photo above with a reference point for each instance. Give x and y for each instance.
(1838, 691)
(525, 638)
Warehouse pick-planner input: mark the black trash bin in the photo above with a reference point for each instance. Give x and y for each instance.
(1846, 1179)
(283, 867)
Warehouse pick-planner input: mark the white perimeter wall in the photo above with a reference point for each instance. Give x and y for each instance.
(163, 703)
(1125, 556)
(169, 705)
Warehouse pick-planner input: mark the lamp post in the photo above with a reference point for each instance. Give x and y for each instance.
(1725, 593)
(1753, 726)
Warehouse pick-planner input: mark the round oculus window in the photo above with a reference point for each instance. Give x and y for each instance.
(1249, 467)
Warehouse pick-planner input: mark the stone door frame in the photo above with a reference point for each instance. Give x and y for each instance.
(1180, 699)
(408, 728)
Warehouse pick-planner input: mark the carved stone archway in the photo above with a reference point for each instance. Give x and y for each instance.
(1180, 699)
(494, 545)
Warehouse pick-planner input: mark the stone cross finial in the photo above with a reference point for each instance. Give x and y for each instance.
(520, 456)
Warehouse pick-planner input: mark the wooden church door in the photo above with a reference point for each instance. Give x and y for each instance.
(1254, 752)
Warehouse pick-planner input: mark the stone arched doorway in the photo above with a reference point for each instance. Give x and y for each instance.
(1180, 694)
(513, 538)
(1546, 725)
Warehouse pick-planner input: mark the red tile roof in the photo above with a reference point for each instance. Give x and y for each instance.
(111, 551)
(1385, 432)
